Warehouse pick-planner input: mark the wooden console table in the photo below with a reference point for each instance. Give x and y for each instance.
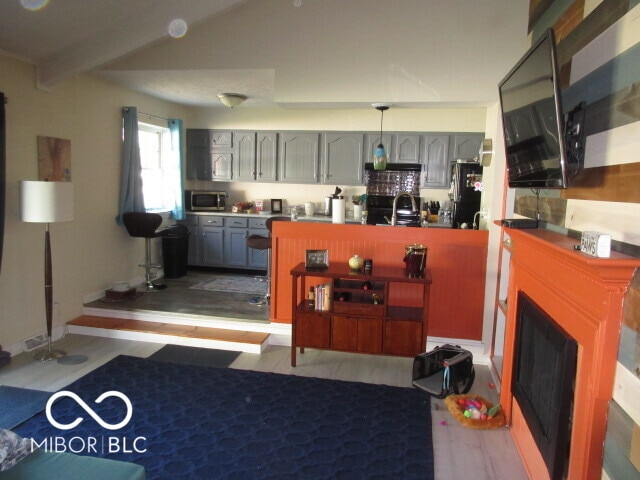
(362, 313)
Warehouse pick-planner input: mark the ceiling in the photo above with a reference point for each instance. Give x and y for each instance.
(277, 52)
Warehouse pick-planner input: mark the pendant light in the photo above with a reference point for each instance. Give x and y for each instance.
(380, 156)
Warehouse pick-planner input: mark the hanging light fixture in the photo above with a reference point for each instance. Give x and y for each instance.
(380, 156)
(231, 99)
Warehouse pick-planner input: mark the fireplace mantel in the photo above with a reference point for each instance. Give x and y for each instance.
(584, 295)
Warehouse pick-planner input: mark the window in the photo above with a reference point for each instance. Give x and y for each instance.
(157, 188)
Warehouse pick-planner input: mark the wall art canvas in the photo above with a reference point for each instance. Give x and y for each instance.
(54, 159)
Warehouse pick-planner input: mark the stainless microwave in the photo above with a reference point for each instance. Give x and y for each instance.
(204, 201)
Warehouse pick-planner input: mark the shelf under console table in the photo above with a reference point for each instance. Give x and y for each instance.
(384, 312)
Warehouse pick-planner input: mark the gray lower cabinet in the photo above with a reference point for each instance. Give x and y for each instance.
(221, 241)
(236, 252)
(342, 158)
(298, 156)
(211, 244)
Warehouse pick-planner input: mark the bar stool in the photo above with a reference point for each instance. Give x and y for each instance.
(260, 242)
(144, 225)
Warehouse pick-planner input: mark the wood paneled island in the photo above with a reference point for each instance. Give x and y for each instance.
(455, 258)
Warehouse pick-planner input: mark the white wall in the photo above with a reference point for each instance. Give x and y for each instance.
(92, 252)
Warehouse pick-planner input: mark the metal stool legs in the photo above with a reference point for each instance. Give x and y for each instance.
(149, 285)
(266, 298)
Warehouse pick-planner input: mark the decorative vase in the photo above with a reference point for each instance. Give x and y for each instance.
(355, 262)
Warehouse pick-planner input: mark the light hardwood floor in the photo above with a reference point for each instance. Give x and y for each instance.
(460, 453)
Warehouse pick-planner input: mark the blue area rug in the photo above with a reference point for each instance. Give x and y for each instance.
(20, 404)
(207, 423)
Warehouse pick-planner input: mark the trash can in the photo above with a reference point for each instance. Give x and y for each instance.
(175, 250)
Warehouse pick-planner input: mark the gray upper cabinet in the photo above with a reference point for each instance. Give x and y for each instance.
(198, 154)
(435, 161)
(333, 158)
(244, 167)
(298, 155)
(221, 139)
(209, 154)
(267, 157)
(221, 164)
(465, 146)
(406, 148)
(342, 158)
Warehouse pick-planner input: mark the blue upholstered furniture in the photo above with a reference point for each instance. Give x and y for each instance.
(68, 466)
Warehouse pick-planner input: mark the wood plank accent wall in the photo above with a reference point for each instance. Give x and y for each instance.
(456, 258)
(610, 91)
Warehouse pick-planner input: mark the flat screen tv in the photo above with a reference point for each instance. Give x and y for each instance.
(538, 151)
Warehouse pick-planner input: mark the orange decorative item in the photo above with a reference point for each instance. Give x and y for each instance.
(463, 408)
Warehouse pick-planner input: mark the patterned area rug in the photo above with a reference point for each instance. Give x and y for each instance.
(219, 423)
(20, 404)
(232, 283)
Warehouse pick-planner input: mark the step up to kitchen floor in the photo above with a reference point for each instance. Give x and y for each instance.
(189, 335)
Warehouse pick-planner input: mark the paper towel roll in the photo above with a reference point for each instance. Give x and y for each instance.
(337, 209)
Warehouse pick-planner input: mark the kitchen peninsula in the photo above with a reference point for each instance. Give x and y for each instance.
(455, 258)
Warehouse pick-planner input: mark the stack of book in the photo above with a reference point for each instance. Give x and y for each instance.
(324, 294)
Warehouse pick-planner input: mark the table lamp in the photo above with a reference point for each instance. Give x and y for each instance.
(46, 202)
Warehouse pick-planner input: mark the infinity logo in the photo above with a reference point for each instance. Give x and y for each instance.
(89, 410)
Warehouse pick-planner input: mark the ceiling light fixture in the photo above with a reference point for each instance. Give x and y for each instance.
(380, 156)
(231, 99)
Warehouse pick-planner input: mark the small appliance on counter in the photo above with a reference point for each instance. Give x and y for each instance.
(328, 202)
(205, 200)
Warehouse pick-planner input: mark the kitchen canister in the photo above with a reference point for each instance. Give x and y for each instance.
(337, 209)
(309, 209)
(357, 212)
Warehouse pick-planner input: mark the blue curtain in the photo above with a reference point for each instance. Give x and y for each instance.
(131, 198)
(173, 169)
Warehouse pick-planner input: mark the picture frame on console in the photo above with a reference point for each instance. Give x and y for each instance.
(316, 259)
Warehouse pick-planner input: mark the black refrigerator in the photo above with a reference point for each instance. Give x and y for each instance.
(465, 193)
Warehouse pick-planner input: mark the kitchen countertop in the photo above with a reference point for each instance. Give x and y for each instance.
(301, 218)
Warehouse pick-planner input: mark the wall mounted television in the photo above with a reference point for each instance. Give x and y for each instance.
(543, 144)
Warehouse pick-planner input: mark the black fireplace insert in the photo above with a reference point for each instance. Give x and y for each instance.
(544, 374)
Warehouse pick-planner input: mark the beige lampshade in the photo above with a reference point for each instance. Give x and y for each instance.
(46, 202)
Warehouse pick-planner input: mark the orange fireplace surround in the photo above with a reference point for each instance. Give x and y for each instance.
(584, 295)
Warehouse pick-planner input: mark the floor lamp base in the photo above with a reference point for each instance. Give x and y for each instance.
(49, 354)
